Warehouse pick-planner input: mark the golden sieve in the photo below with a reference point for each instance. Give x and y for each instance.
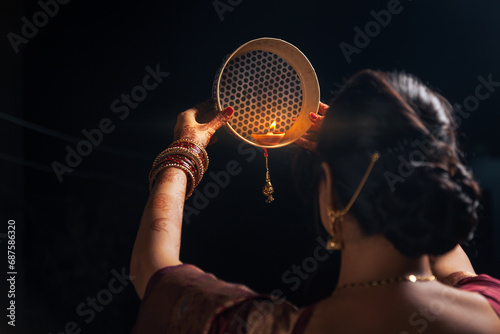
(272, 88)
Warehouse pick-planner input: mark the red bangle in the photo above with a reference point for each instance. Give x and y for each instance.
(186, 155)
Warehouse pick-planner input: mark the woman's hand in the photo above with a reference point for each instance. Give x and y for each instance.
(200, 123)
(309, 140)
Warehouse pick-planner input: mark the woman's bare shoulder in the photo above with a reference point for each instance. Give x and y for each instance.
(433, 308)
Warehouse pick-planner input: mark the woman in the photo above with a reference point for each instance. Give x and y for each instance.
(394, 197)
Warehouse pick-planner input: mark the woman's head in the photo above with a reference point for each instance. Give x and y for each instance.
(419, 195)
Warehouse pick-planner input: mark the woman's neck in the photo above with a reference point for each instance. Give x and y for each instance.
(375, 258)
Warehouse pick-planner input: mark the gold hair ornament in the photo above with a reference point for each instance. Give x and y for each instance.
(333, 243)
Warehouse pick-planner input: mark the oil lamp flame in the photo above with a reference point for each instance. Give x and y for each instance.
(273, 126)
(272, 137)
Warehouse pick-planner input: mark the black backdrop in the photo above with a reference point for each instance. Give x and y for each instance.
(73, 237)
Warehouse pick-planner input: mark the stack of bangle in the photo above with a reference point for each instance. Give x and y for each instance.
(186, 155)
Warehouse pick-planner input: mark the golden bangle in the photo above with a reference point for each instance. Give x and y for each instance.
(191, 155)
(202, 149)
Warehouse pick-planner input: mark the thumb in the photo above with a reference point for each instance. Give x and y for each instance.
(323, 108)
(221, 118)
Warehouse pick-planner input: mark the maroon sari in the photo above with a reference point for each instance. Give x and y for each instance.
(184, 299)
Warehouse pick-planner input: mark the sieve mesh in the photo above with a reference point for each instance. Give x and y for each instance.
(261, 87)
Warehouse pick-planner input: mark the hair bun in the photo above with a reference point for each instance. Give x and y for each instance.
(432, 211)
(428, 207)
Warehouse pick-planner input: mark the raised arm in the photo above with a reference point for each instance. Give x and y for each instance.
(157, 244)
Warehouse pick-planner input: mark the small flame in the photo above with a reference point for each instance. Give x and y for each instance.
(273, 126)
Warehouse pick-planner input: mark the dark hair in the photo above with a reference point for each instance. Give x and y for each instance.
(419, 194)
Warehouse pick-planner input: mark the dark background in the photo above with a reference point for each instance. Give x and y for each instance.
(71, 235)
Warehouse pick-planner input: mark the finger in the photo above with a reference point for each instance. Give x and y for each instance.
(323, 108)
(313, 117)
(317, 121)
(307, 144)
(220, 119)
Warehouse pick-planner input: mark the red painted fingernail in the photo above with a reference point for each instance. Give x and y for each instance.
(229, 111)
(313, 115)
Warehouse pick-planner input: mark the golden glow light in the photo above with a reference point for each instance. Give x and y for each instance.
(273, 126)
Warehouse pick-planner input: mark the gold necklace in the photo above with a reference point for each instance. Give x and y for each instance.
(382, 282)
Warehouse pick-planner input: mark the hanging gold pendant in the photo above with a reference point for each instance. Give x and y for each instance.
(268, 189)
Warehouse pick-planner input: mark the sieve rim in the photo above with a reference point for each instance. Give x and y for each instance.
(304, 69)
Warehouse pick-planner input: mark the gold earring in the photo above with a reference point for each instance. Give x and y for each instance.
(333, 243)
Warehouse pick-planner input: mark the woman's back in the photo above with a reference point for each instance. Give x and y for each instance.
(404, 308)
(396, 216)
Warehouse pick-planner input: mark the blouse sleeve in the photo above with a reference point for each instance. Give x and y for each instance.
(184, 299)
(486, 285)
